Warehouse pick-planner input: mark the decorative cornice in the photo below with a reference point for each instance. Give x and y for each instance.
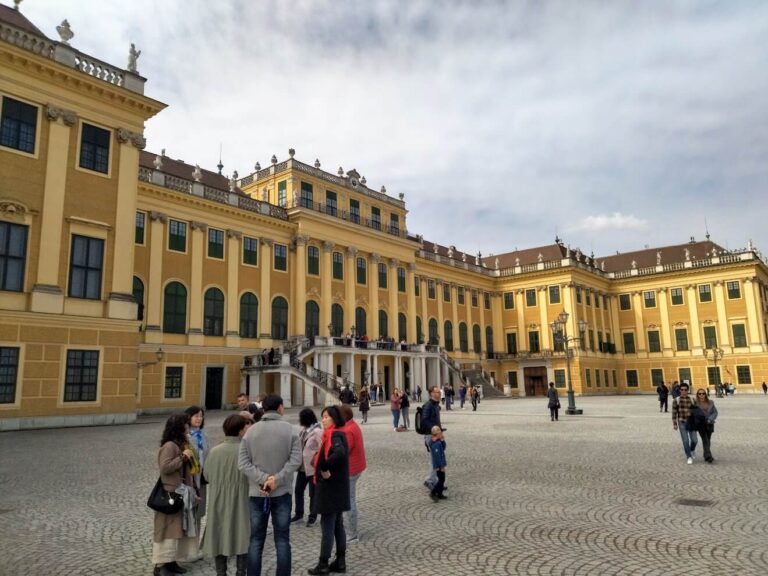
(12, 208)
(54, 113)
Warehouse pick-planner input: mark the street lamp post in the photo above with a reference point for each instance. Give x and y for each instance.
(715, 354)
(560, 333)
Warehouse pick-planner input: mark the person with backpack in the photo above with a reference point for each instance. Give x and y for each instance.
(430, 417)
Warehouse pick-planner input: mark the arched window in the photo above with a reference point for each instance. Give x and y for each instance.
(138, 296)
(279, 319)
(213, 313)
(463, 340)
(175, 309)
(433, 336)
(419, 331)
(249, 316)
(337, 320)
(360, 324)
(489, 340)
(448, 330)
(402, 328)
(312, 320)
(477, 345)
(383, 324)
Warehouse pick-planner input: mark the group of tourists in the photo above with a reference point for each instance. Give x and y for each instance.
(399, 405)
(691, 417)
(248, 479)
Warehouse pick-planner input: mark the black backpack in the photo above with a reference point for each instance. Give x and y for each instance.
(417, 421)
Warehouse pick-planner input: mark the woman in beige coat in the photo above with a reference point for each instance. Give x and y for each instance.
(170, 542)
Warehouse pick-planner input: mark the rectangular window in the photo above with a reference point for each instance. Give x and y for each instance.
(417, 286)
(331, 204)
(560, 378)
(684, 374)
(250, 251)
(18, 127)
(588, 294)
(460, 295)
(354, 211)
(141, 220)
(578, 294)
(281, 257)
(431, 289)
(382, 275)
(632, 379)
(174, 377)
(649, 299)
(533, 342)
(82, 375)
(509, 300)
(705, 293)
(591, 338)
(600, 346)
(401, 279)
(177, 236)
(511, 342)
(605, 372)
(394, 224)
(681, 338)
(657, 377)
(306, 199)
(710, 337)
(474, 298)
(739, 335)
(734, 290)
(530, 297)
(215, 243)
(597, 305)
(629, 342)
(554, 294)
(13, 256)
(375, 218)
(282, 194)
(588, 377)
(743, 375)
(625, 302)
(94, 149)
(486, 301)
(313, 260)
(361, 271)
(9, 370)
(654, 341)
(446, 292)
(677, 296)
(713, 375)
(615, 378)
(86, 261)
(338, 266)
(512, 379)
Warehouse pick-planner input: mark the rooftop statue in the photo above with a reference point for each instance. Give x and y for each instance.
(133, 55)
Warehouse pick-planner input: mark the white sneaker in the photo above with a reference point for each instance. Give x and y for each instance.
(690, 460)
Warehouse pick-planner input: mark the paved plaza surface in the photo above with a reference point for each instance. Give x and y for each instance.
(591, 494)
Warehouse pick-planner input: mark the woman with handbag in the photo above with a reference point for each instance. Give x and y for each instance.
(198, 441)
(554, 402)
(707, 427)
(171, 542)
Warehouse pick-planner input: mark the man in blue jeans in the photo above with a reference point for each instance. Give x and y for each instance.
(430, 416)
(681, 409)
(270, 454)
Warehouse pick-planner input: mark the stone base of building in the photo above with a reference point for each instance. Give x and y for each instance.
(34, 422)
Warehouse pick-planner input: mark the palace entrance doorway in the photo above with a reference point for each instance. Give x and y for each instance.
(535, 381)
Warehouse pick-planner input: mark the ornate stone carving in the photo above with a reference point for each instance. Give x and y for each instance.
(301, 239)
(133, 56)
(53, 113)
(65, 32)
(412, 267)
(267, 241)
(351, 251)
(153, 215)
(124, 136)
(234, 234)
(197, 174)
(375, 258)
(328, 246)
(393, 262)
(195, 225)
(12, 208)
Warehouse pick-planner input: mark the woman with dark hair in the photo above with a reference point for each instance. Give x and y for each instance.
(228, 524)
(364, 403)
(310, 437)
(332, 491)
(170, 542)
(198, 440)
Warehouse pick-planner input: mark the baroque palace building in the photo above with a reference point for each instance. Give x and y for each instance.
(131, 282)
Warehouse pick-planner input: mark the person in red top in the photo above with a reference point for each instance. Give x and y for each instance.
(356, 467)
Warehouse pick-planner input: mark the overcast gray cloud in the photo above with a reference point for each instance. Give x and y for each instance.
(612, 124)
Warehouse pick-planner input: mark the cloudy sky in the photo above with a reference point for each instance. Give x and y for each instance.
(614, 125)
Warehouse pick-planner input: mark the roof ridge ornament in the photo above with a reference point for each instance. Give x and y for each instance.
(65, 32)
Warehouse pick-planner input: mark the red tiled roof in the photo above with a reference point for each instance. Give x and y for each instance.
(527, 256)
(443, 251)
(18, 20)
(181, 169)
(667, 254)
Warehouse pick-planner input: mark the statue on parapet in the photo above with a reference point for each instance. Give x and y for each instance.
(133, 56)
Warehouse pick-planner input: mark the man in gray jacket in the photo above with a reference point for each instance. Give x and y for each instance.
(270, 453)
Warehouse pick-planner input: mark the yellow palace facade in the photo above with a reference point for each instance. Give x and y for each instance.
(132, 282)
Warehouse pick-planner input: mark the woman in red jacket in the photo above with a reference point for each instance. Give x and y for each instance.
(357, 466)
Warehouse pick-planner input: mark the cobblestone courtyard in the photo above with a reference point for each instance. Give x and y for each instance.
(591, 494)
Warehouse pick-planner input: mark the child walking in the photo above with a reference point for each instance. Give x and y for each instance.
(437, 449)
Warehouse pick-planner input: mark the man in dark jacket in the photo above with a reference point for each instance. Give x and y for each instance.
(347, 396)
(430, 416)
(663, 393)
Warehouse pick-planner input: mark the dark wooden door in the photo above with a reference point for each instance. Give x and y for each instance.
(214, 388)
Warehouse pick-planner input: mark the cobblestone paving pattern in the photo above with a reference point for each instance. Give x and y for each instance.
(589, 495)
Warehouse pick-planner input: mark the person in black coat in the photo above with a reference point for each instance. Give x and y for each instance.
(332, 491)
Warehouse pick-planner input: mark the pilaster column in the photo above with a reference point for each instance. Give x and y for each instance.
(155, 278)
(197, 256)
(326, 296)
(693, 315)
(593, 322)
(121, 304)
(522, 334)
(233, 302)
(618, 340)
(497, 324)
(410, 290)
(373, 297)
(265, 304)
(455, 316)
(300, 296)
(440, 314)
(637, 309)
(541, 304)
(724, 336)
(392, 293)
(755, 336)
(349, 287)
(47, 295)
(424, 316)
(666, 334)
(603, 312)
